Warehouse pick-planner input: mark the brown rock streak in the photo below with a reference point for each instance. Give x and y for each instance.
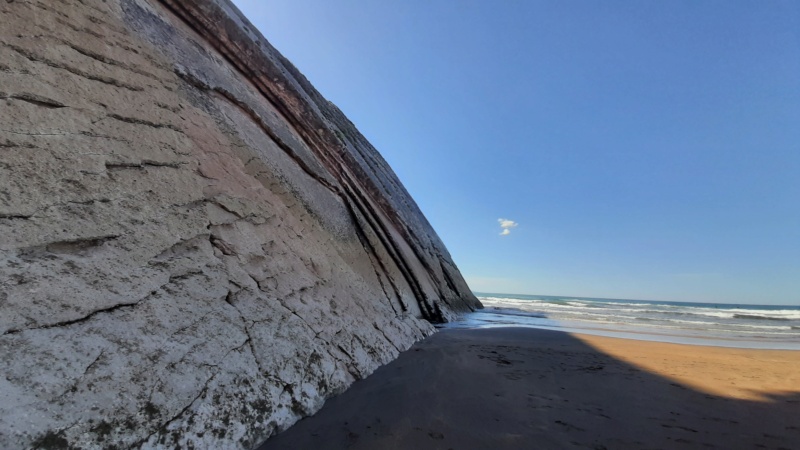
(282, 86)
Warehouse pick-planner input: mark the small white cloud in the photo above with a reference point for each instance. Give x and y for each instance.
(506, 225)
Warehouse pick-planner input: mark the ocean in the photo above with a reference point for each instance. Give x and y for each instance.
(726, 325)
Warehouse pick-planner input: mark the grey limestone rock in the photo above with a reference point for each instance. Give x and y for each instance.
(196, 248)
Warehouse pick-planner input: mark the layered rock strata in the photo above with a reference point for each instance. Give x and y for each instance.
(196, 248)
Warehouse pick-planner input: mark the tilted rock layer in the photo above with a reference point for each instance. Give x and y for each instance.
(196, 248)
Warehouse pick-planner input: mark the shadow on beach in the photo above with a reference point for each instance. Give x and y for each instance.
(521, 388)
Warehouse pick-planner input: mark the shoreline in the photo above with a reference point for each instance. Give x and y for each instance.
(522, 387)
(717, 324)
(643, 334)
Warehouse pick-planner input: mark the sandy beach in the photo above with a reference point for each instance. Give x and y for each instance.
(522, 388)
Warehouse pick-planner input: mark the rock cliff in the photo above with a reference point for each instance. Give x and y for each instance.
(196, 248)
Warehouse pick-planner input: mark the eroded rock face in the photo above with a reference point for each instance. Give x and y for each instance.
(196, 248)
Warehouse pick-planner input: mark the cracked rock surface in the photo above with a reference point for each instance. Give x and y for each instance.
(196, 248)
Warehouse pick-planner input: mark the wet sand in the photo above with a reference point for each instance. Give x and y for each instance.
(520, 388)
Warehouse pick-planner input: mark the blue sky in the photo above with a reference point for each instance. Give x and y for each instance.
(643, 149)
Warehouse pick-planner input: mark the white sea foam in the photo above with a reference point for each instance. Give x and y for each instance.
(700, 319)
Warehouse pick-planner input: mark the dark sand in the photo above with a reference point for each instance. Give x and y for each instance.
(517, 388)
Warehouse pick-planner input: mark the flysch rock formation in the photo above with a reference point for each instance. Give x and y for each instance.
(196, 248)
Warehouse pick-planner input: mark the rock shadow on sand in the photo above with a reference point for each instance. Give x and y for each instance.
(523, 388)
